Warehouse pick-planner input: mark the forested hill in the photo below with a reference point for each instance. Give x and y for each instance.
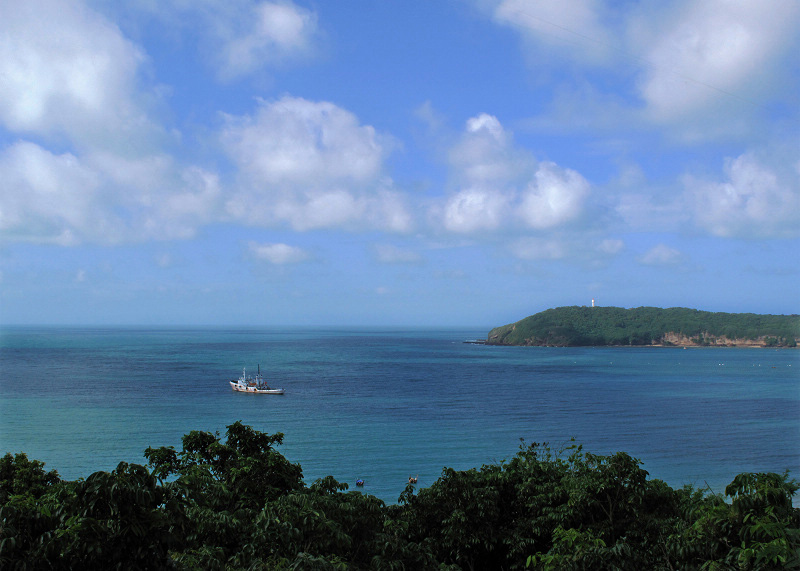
(677, 326)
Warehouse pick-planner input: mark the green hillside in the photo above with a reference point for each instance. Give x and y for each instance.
(583, 326)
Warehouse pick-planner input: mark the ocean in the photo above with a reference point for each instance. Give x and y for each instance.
(383, 404)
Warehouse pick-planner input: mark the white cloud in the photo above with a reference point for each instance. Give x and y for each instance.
(101, 197)
(278, 254)
(485, 164)
(661, 255)
(486, 155)
(554, 197)
(262, 34)
(154, 197)
(313, 165)
(68, 72)
(755, 200)
(474, 209)
(70, 79)
(294, 141)
(490, 171)
(703, 69)
(712, 51)
(73, 79)
(47, 197)
(186, 199)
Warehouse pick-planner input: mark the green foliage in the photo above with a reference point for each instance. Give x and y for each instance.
(20, 476)
(116, 520)
(247, 465)
(759, 529)
(579, 326)
(239, 504)
(572, 549)
(546, 511)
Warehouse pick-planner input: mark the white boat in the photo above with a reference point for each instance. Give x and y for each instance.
(256, 385)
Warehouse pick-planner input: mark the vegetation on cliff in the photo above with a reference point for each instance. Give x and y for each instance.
(581, 326)
(240, 504)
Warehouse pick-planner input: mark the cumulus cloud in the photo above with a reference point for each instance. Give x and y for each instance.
(474, 209)
(47, 197)
(262, 34)
(554, 197)
(484, 164)
(313, 165)
(68, 72)
(486, 154)
(101, 197)
(278, 254)
(296, 141)
(712, 50)
(502, 185)
(703, 68)
(70, 79)
(73, 80)
(754, 201)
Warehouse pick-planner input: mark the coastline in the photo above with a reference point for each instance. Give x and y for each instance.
(670, 340)
(639, 346)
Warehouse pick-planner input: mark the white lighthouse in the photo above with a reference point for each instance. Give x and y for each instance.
(592, 302)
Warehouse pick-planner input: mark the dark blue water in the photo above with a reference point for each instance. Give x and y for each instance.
(385, 404)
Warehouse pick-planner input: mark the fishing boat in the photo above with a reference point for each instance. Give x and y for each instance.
(256, 385)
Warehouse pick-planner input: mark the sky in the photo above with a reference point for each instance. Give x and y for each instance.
(395, 163)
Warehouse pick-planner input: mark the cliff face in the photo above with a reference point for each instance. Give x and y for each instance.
(707, 340)
(670, 339)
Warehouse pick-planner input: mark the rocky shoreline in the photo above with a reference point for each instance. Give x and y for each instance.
(581, 326)
(669, 340)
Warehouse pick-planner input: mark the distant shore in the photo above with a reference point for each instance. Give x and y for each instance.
(582, 326)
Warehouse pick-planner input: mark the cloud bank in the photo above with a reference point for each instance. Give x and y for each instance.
(88, 157)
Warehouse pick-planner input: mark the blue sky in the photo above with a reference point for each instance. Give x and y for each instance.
(460, 162)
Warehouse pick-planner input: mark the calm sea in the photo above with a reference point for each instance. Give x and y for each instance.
(384, 404)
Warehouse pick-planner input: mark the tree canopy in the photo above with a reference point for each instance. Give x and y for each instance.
(239, 504)
(581, 325)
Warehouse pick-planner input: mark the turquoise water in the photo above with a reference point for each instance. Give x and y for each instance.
(383, 404)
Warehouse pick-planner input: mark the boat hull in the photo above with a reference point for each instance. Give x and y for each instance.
(240, 388)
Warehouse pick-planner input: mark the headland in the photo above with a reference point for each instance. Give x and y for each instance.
(581, 326)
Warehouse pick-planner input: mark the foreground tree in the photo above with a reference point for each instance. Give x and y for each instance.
(759, 529)
(239, 504)
(547, 511)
